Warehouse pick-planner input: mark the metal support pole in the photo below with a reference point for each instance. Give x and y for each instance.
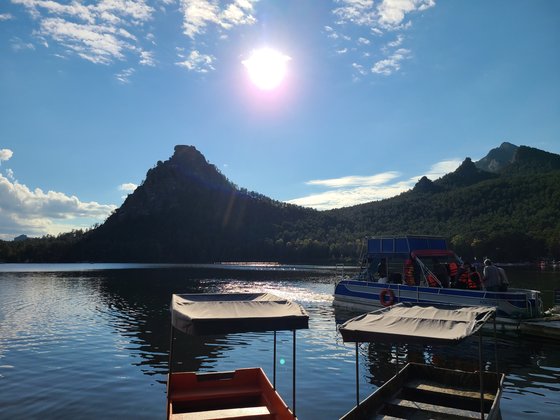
(170, 366)
(495, 345)
(294, 375)
(397, 358)
(274, 364)
(481, 374)
(357, 378)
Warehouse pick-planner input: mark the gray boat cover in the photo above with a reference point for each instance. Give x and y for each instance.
(417, 323)
(206, 314)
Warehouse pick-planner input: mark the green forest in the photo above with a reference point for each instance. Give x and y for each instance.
(187, 211)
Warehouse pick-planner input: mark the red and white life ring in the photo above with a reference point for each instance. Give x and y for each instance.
(390, 300)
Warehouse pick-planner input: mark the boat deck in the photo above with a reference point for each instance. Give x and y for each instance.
(427, 392)
(420, 399)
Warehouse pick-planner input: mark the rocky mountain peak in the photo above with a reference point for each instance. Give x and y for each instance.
(498, 158)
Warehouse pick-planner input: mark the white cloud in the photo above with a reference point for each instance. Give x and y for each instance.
(5, 16)
(10, 174)
(128, 187)
(125, 75)
(359, 71)
(147, 58)
(352, 190)
(441, 168)
(99, 32)
(355, 181)
(18, 44)
(397, 42)
(392, 12)
(198, 14)
(197, 62)
(391, 64)
(359, 12)
(37, 213)
(379, 18)
(5, 154)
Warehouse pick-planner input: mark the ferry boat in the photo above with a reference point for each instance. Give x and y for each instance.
(418, 269)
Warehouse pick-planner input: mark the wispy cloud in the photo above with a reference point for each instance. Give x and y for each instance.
(128, 187)
(124, 75)
(100, 32)
(198, 62)
(37, 213)
(391, 64)
(18, 44)
(199, 14)
(387, 20)
(355, 181)
(366, 32)
(352, 190)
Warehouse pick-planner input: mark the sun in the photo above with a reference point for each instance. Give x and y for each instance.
(266, 68)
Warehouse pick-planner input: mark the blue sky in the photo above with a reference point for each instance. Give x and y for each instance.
(376, 94)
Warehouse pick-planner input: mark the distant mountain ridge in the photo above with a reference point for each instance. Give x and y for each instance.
(506, 205)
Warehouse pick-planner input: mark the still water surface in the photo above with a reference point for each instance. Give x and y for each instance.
(91, 341)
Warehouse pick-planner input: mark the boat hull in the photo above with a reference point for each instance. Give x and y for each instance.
(422, 391)
(244, 393)
(516, 304)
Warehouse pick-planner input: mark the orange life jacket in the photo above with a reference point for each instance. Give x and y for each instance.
(453, 267)
(473, 280)
(432, 280)
(409, 272)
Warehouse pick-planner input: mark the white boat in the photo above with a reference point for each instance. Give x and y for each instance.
(241, 394)
(413, 271)
(426, 391)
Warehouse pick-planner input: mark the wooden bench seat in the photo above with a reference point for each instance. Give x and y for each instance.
(432, 411)
(214, 393)
(228, 413)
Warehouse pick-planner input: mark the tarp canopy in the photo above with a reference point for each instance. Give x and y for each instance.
(206, 314)
(417, 323)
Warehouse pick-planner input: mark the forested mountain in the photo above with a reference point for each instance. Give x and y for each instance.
(507, 205)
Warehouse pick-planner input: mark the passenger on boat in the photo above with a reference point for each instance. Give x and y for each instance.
(504, 282)
(491, 276)
(382, 271)
(468, 278)
(441, 273)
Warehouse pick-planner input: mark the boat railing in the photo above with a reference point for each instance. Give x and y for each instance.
(339, 270)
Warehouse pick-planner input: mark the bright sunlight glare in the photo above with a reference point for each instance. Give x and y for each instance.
(266, 68)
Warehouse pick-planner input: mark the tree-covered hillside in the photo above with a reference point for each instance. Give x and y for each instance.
(506, 206)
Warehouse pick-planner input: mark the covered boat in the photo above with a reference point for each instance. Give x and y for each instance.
(425, 391)
(244, 393)
(421, 269)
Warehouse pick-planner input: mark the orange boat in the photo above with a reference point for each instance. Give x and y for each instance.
(243, 393)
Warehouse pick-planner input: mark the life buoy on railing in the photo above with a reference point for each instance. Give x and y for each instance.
(391, 297)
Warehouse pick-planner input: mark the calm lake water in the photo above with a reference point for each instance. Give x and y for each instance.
(92, 340)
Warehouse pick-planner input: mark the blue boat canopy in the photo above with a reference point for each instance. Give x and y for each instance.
(405, 245)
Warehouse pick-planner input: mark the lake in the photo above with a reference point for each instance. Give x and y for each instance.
(91, 341)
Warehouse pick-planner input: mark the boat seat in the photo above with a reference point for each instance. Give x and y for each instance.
(261, 412)
(428, 411)
(214, 393)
